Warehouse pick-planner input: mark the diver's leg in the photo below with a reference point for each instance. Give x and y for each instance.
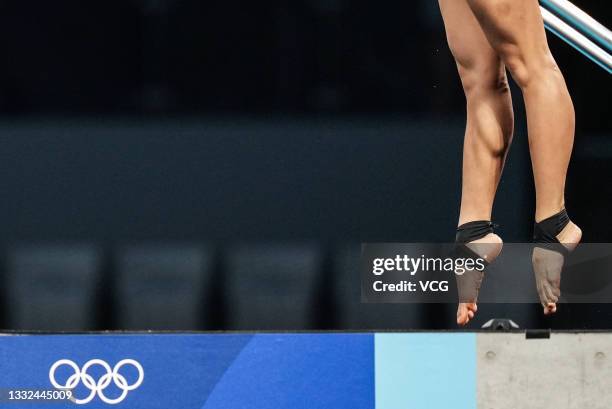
(489, 126)
(515, 30)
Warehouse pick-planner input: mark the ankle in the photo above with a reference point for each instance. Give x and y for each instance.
(570, 236)
(488, 247)
(543, 213)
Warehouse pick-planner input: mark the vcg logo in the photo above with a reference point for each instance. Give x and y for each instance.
(96, 387)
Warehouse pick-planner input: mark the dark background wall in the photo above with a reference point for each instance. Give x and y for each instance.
(330, 122)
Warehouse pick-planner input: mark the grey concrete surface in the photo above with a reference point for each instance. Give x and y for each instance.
(567, 371)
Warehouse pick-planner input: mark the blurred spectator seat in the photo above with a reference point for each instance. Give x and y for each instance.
(272, 286)
(52, 287)
(352, 314)
(163, 287)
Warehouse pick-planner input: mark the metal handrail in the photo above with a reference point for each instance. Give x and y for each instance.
(581, 21)
(577, 40)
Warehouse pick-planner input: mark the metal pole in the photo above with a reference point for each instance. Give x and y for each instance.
(580, 21)
(577, 40)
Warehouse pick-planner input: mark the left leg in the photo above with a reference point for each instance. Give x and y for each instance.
(488, 134)
(515, 30)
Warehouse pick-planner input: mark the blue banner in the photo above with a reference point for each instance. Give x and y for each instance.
(148, 371)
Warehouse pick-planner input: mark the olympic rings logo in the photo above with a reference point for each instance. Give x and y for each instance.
(111, 375)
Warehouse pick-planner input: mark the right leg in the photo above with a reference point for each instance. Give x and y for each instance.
(490, 123)
(515, 30)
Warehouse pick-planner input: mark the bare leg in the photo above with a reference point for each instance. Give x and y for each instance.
(515, 30)
(489, 128)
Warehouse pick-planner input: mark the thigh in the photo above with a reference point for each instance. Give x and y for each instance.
(469, 44)
(515, 29)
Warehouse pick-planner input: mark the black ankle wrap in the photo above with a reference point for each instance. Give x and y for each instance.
(545, 232)
(473, 231)
(468, 283)
(469, 232)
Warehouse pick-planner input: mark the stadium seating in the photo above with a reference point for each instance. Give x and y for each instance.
(162, 287)
(52, 287)
(272, 286)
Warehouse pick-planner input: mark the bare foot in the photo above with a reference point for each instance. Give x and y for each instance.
(489, 247)
(548, 265)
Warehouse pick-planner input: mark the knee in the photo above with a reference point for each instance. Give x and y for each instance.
(483, 80)
(538, 70)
